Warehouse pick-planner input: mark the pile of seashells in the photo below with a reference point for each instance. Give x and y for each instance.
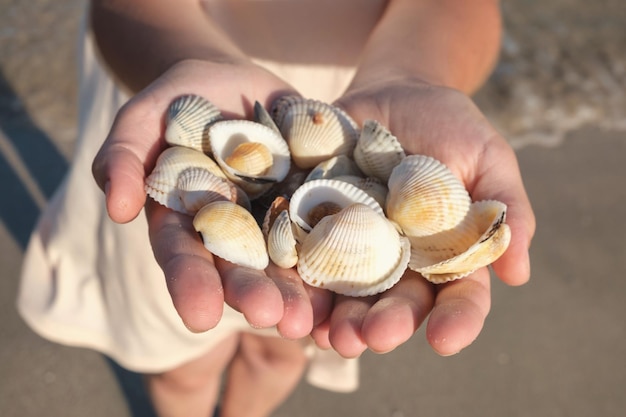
(352, 214)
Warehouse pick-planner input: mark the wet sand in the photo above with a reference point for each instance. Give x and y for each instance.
(553, 347)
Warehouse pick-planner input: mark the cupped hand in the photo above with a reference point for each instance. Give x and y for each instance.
(198, 282)
(445, 124)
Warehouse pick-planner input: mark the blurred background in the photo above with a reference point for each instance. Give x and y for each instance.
(554, 347)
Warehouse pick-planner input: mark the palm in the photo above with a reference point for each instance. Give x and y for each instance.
(445, 124)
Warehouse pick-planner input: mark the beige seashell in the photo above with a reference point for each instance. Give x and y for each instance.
(425, 197)
(371, 185)
(478, 241)
(188, 120)
(229, 137)
(355, 252)
(315, 131)
(252, 159)
(281, 243)
(163, 183)
(377, 151)
(230, 232)
(279, 204)
(334, 167)
(310, 195)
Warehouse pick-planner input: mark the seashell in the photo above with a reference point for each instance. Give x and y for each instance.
(188, 120)
(172, 167)
(478, 241)
(334, 167)
(198, 187)
(315, 131)
(313, 196)
(230, 232)
(355, 252)
(371, 185)
(425, 197)
(377, 151)
(281, 243)
(262, 116)
(251, 155)
(279, 204)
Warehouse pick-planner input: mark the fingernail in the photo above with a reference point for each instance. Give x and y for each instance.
(107, 188)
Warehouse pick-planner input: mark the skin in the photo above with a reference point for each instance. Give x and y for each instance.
(415, 74)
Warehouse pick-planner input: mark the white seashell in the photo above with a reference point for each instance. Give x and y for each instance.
(252, 171)
(315, 131)
(281, 243)
(188, 120)
(371, 185)
(198, 187)
(425, 197)
(478, 241)
(334, 167)
(355, 252)
(377, 151)
(312, 195)
(163, 183)
(230, 232)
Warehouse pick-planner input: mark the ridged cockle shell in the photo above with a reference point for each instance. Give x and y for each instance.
(315, 131)
(377, 151)
(425, 197)
(356, 252)
(188, 120)
(230, 232)
(182, 175)
(479, 240)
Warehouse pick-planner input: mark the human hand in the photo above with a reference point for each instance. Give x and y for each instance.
(198, 282)
(445, 124)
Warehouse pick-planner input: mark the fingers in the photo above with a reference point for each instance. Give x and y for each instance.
(192, 280)
(500, 179)
(129, 151)
(298, 311)
(252, 293)
(459, 313)
(398, 313)
(379, 323)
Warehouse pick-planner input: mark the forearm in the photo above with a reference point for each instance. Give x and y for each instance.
(453, 43)
(141, 39)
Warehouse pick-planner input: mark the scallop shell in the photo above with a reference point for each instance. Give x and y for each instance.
(312, 194)
(315, 131)
(188, 120)
(230, 135)
(377, 151)
(355, 252)
(334, 167)
(478, 241)
(230, 232)
(163, 184)
(281, 243)
(425, 197)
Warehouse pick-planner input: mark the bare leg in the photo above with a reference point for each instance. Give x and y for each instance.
(261, 376)
(191, 390)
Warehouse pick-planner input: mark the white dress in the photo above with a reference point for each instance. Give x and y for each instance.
(89, 282)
